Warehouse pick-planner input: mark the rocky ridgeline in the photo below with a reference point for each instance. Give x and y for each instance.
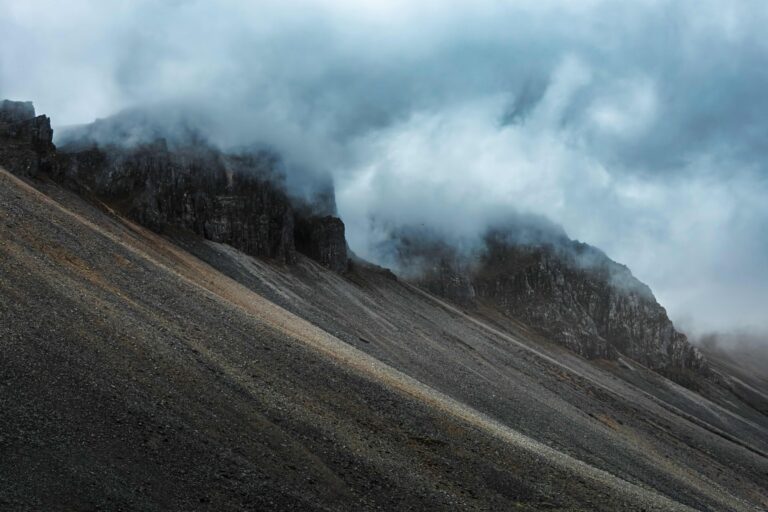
(235, 199)
(570, 292)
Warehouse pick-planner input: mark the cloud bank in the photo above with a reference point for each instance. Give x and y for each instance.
(641, 127)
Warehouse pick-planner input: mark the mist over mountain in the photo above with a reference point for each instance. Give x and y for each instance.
(637, 127)
(187, 130)
(383, 255)
(193, 337)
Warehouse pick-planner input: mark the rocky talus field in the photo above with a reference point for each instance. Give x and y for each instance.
(177, 332)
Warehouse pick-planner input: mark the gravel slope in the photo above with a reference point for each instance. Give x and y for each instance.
(136, 376)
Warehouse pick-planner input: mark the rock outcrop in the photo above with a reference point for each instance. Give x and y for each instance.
(223, 198)
(322, 239)
(26, 146)
(237, 199)
(570, 292)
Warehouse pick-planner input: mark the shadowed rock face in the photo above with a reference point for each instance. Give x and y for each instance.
(568, 291)
(26, 146)
(234, 199)
(226, 199)
(322, 239)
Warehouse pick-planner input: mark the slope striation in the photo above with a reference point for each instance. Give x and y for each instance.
(136, 376)
(207, 364)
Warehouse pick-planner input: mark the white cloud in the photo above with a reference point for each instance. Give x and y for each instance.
(640, 126)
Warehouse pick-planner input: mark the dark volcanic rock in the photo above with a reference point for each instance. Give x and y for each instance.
(26, 146)
(436, 266)
(226, 199)
(569, 291)
(237, 199)
(322, 239)
(580, 297)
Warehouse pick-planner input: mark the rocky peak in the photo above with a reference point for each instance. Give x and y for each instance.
(238, 199)
(26, 140)
(570, 292)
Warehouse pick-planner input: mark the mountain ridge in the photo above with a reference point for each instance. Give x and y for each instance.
(240, 199)
(567, 290)
(168, 371)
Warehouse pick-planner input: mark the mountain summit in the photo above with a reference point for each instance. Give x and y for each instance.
(565, 290)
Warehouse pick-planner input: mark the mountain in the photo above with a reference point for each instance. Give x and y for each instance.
(569, 292)
(148, 365)
(235, 199)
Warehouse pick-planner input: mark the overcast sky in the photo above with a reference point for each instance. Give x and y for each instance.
(641, 127)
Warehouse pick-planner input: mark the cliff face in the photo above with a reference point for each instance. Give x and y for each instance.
(237, 199)
(322, 239)
(570, 292)
(226, 199)
(26, 146)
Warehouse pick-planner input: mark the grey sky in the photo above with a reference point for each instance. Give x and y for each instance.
(641, 127)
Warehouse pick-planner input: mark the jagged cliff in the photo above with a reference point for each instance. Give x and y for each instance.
(237, 199)
(26, 146)
(568, 291)
(224, 198)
